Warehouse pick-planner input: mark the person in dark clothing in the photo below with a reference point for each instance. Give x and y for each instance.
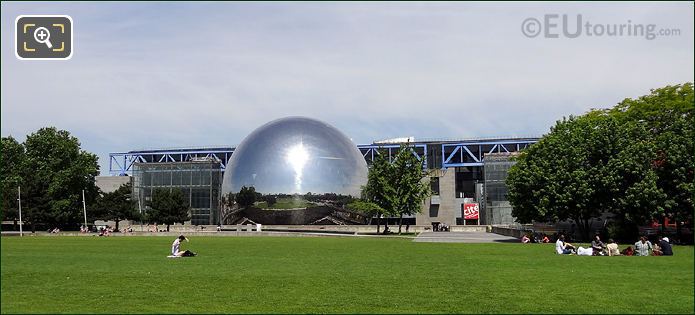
(598, 246)
(666, 249)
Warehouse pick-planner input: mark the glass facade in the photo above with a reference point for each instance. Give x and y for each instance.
(465, 180)
(200, 182)
(496, 208)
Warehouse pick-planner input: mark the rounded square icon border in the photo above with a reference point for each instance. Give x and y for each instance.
(72, 36)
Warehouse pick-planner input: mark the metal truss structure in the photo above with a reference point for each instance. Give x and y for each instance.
(369, 151)
(121, 163)
(472, 153)
(453, 154)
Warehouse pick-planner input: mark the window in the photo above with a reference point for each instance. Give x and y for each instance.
(434, 211)
(434, 185)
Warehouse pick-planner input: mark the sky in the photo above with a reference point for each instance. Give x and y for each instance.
(162, 75)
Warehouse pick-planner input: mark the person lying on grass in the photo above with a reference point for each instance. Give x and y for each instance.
(176, 248)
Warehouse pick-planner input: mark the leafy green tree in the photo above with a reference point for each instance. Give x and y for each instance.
(271, 200)
(379, 189)
(12, 160)
(117, 205)
(246, 196)
(168, 207)
(634, 160)
(668, 115)
(54, 174)
(584, 167)
(407, 179)
(369, 208)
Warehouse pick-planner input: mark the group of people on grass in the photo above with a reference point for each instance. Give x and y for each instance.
(643, 247)
(105, 231)
(537, 238)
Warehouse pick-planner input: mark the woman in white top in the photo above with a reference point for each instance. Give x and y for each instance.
(563, 248)
(176, 246)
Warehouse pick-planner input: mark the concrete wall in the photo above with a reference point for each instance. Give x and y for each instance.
(449, 207)
(178, 228)
(509, 231)
(111, 183)
(344, 229)
(469, 228)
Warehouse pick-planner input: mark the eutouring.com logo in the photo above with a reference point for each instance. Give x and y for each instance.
(573, 26)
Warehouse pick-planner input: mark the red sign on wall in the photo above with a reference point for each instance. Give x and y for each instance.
(471, 211)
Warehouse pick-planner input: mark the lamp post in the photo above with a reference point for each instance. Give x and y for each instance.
(19, 199)
(84, 209)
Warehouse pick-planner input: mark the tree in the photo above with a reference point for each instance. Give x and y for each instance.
(271, 200)
(55, 172)
(634, 160)
(168, 207)
(12, 160)
(369, 208)
(379, 189)
(668, 114)
(584, 167)
(407, 180)
(117, 205)
(246, 196)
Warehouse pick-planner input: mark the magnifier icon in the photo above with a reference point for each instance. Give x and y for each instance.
(42, 35)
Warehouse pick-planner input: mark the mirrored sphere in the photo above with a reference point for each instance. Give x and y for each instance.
(296, 155)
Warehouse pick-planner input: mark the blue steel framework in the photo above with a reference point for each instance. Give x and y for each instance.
(121, 163)
(368, 151)
(453, 154)
(472, 153)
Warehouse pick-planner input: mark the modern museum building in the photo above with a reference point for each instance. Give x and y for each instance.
(302, 170)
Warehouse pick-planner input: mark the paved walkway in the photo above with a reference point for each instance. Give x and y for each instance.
(463, 237)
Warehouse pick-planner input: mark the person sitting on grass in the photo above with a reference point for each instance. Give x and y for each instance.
(545, 239)
(612, 248)
(597, 246)
(628, 251)
(176, 248)
(666, 249)
(563, 248)
(656, 250)
(525, 239)
(643, 247)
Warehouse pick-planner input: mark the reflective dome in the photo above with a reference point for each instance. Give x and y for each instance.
(296, 155)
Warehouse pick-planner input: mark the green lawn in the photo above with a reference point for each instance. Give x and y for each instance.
(285, 203)
(331, 275)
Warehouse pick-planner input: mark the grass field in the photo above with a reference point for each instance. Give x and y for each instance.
(285, 203)
(331, 275)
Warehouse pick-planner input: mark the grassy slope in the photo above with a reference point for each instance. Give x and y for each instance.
(270, 275)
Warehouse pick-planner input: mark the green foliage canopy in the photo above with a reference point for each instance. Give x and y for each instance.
(634, 161)
(168, 207)
(52, 171)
